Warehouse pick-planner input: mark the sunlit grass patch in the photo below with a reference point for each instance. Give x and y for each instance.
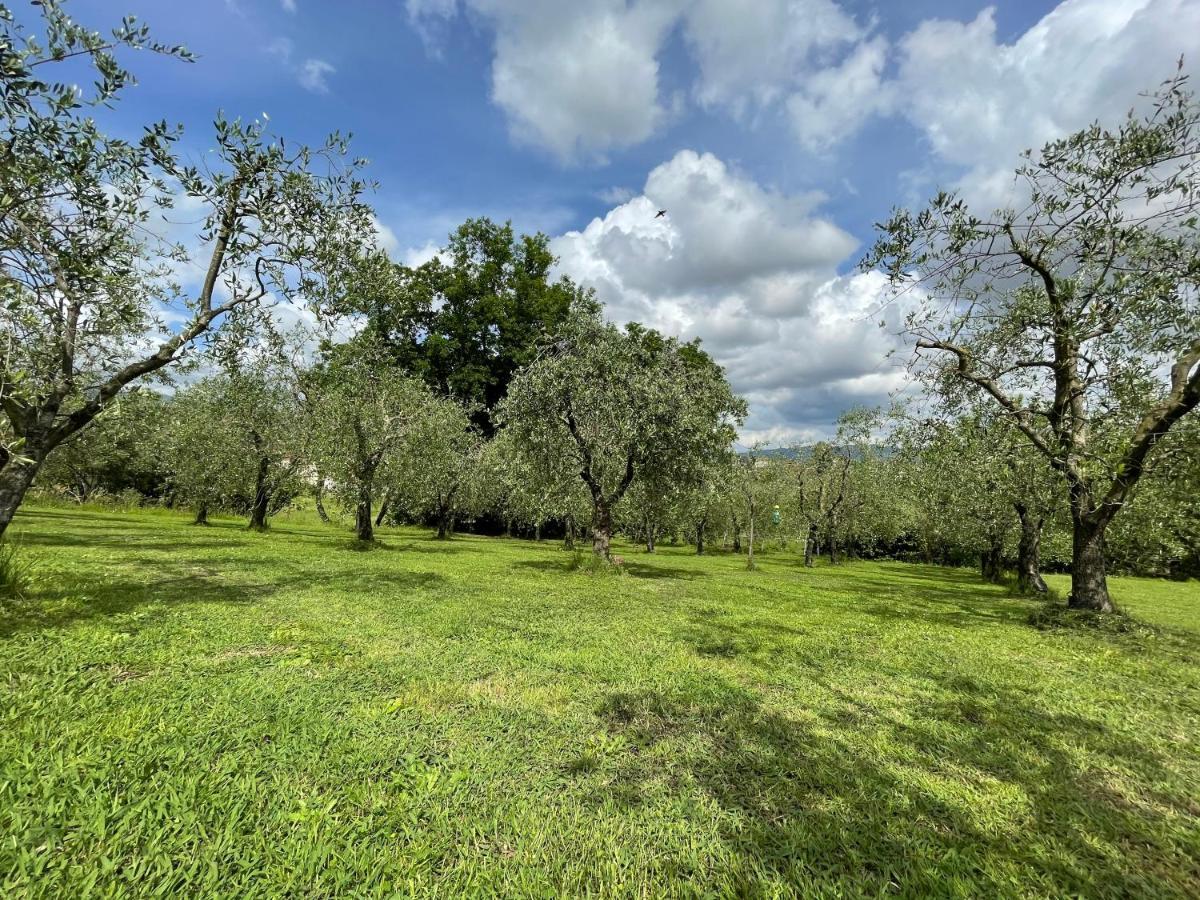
(213, 712)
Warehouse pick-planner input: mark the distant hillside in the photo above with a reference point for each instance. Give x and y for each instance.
(806, 451)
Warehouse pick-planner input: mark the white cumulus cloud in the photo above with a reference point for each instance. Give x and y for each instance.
(576, 79)
(979, 101)
(753, 272)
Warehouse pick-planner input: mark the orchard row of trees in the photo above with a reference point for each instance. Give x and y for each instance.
(961, 490)
(1058, 346)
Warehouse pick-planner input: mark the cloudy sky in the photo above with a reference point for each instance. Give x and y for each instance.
(774, 131)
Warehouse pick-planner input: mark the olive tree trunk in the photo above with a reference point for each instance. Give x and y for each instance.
(602, 530)
(364, 528)
(1029, 552)
(262, 496)
(201, 515)
(15, 479)
(810, 545)
(1089, 581)
(324, 516)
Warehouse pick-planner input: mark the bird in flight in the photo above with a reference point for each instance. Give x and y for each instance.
(661, 213)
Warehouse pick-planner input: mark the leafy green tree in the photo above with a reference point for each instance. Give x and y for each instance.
(649, 511)
(1078, 315)
(442, 466)
(532, 486)
(620, 405)
(366, 415)
(704, 504)
(260, 405)
(1159, 533)
(119, 450)
(822, 489)
(828, 489)
(200, 447)
(83, 273)
(469, 319)
(236, 440)
(752, 477)
(967, 478)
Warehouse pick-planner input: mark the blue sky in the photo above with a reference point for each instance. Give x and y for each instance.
(775, 132)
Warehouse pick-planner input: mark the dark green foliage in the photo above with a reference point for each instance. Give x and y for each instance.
(468, 324)
(121, 450)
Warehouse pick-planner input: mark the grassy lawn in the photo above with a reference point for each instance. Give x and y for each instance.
(211, 712)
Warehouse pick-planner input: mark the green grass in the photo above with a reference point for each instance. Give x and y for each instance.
(210, 712)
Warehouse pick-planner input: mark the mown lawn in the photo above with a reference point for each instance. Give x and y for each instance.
(211, 712)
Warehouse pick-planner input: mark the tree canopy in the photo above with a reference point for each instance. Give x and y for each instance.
(1078, 314)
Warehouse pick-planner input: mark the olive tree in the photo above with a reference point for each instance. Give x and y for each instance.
(365, 415)
(197, 439)
(1159, 533)
(441, 465)
(1077, 315)
(620, 404)
(703, 504)
(974, 481)
(112, 454)
(91, 300)
(753, 480)
(236, 440)
(532, 486)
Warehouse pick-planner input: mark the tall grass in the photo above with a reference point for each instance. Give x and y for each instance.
(15, 569)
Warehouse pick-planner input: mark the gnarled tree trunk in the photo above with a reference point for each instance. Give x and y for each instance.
(364, 529)
(1089, 581)
(321, 498)
(15, 478)
(262, 496)
(810, 545)
(201, 515)
(601, 530)
(1029, 552)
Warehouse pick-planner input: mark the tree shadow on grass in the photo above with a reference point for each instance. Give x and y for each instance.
(76, 597)
(950, 598)
(815, 812)
(81, 516)
(432, 546)
(130, 541)
(716, 633)
(635, 569)
(80, 597)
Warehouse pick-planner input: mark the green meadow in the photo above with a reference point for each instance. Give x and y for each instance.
(212, 712)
